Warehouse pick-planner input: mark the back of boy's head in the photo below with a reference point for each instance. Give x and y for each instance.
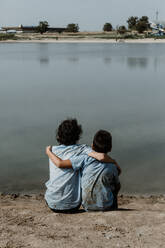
(102, 141)
(69, 132)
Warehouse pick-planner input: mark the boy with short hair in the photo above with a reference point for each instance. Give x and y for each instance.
(100, 183)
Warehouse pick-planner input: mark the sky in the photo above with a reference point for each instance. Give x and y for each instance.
(89, 14)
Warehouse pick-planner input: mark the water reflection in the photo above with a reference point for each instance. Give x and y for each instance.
(73, 59)
(134, 62)
(107, 60)
(43, 53)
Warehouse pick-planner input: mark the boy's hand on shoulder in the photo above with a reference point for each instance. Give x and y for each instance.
(96, 155)
(108, 159)
(102, 157)
(48, 149)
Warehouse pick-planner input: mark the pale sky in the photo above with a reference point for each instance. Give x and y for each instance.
(89, 14)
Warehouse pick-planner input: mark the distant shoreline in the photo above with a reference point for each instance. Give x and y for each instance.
(138, 41)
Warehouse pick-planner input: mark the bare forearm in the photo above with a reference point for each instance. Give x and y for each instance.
(104, 158)
(98, 156)
(56, 160)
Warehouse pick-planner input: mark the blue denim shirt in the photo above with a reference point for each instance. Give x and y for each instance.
(98, 182)
(63, 188)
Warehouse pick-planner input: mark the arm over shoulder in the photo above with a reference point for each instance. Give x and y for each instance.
(77, 162)
(58, 162)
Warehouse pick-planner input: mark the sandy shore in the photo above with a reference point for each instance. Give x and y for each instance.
(139, 41)
(26, 221)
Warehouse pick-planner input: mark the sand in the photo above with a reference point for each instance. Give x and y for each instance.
(88, 40)
(26, 221)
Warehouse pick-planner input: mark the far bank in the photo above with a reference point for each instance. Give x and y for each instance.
(77, 40)
(81, 37)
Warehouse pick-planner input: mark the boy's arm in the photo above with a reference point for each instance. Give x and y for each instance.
(56, 160)
(102, 157)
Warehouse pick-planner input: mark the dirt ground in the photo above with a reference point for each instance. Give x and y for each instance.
(26, 221)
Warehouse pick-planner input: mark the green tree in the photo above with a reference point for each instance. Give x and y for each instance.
(42, 27)
(145, 19)
(132, 22)
(142, 24)
(107, 27)
(122, 30)
(72, 27)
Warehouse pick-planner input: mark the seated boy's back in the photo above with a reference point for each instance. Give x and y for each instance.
(100, 183)
(63, 187)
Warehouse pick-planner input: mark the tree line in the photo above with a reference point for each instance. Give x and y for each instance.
(43, 27)
(134, 23)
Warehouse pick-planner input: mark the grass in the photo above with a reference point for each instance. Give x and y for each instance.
(119, 37)
(155, 37)
(7, 37)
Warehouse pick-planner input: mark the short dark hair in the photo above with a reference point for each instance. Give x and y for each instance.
(102, 141)
(69, 132)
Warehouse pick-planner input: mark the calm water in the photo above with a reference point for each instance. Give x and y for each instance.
(118, 87)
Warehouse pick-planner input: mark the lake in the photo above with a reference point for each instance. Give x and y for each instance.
(118, 87)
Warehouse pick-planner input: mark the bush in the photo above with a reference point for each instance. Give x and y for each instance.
(131, 36)
(42, 27)
(7, 36)
(107, 27)
(72, 27)
(122, 30)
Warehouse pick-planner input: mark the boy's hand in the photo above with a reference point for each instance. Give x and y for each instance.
(102, 157)
(108, 159)
(96, 155)
(48, 149)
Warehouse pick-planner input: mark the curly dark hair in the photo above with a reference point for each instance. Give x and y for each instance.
(102, 141)
(69, 132)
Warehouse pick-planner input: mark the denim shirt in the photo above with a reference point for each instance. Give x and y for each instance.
(98, 182)
(63, 188)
